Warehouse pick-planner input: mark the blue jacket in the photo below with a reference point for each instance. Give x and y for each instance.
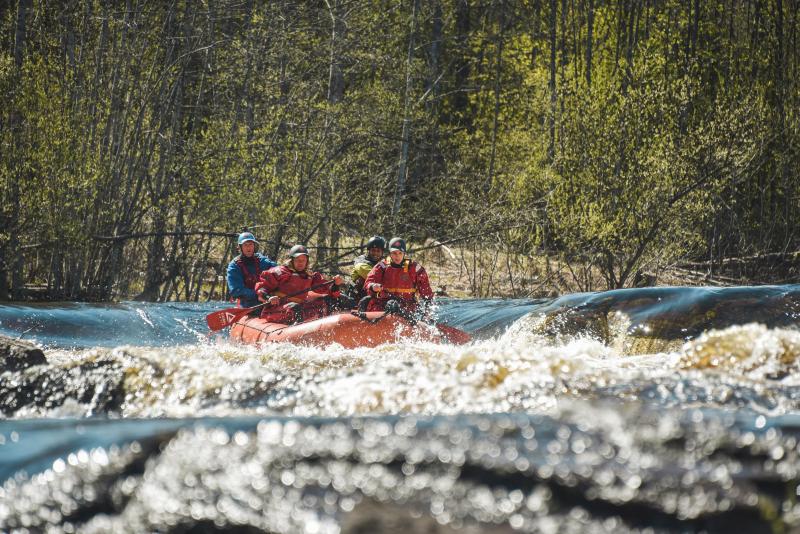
(237, 287)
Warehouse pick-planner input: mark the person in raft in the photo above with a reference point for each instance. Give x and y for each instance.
(376, 248)
(293, 276)
(398, 278)
(244, 270)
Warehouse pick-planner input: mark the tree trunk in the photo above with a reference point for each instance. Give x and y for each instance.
(589, 43)
(402, 169)
(436, 161)
(154, 274)
(172, 104)
(551, 146)
(335, 96)
(11, 256)
(780, 94)
(281, 160)
(462, 67)
(497, 88)
(176, 264)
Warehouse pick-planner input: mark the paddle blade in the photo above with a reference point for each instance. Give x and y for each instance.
(454, 335)
(223, 318)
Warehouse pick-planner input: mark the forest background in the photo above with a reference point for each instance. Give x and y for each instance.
(552, 144)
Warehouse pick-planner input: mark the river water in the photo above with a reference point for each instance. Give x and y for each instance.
(641, 410)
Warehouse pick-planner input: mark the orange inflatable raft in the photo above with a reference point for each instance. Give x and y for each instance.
(346, 329)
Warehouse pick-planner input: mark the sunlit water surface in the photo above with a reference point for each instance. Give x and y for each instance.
(673, 409)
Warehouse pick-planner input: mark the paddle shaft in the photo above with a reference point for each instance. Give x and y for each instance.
(290, 295)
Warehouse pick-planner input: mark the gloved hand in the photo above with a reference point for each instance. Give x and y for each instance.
(363, 303)
(393, 307)
(263, 296)
(378, 290)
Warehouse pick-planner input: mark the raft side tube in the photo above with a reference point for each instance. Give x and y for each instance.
(345, 329)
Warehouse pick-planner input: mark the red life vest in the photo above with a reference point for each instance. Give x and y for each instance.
(400, 281)
(250, 279)
(281, 281)
(291, 281)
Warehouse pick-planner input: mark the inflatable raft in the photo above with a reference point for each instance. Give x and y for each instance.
(346, 329)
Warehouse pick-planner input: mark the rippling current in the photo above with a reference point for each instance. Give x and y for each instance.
(642, 410)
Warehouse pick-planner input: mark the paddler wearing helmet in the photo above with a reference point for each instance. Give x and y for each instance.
(291, 278)
(398, 278)
(375, 251)
(244, 270)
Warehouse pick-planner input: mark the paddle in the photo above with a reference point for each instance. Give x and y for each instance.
(223, 318)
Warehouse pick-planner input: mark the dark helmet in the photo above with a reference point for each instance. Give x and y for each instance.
(397, 243)
(298, 250)
(244, 237)
(376, 242)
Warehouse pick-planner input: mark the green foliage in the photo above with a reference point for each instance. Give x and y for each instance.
(669, 134)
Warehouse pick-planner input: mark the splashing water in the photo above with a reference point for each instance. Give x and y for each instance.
(590, 410)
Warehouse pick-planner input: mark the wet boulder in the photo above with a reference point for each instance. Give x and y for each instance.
(97, 387)
(661, 319)
(94, 387)
(16, 355)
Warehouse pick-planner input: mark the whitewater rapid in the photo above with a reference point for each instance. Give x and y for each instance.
(652, 410)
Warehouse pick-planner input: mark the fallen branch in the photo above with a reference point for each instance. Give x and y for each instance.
(706, 277)
(790, 256)
(125, 237)
(210, 233)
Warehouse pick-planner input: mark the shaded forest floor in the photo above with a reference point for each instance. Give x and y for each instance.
(469, 272)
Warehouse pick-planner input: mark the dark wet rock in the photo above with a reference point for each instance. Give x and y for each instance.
(98, 385)
(16, 355)
(637, 321)
(574, 322)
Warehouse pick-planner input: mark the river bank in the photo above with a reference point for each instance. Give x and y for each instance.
(466, 273)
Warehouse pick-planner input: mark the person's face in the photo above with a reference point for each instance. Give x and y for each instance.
(397, 256)
(248, 249)
(375, 253)
(300, 262)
